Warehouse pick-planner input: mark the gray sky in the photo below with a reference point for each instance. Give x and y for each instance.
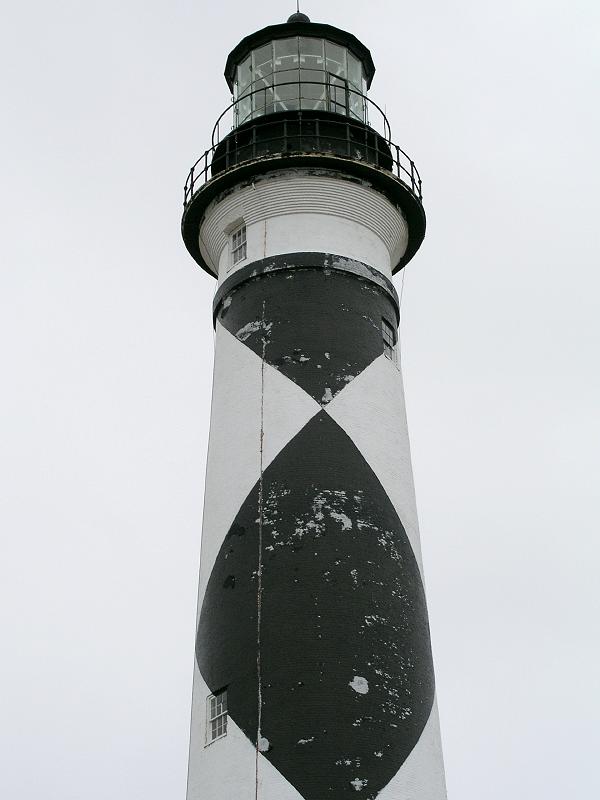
(107, 357)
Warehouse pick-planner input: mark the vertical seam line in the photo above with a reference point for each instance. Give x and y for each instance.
(260, 542)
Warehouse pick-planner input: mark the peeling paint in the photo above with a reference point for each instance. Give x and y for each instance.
(359, 684)
(343, 518)
(252, 327)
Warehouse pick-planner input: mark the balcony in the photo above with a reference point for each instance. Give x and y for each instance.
(307, 125)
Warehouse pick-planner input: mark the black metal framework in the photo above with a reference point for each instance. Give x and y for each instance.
(303, 131)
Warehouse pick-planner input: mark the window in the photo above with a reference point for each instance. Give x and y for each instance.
(389, 340)
(238, 244)
(216, 716)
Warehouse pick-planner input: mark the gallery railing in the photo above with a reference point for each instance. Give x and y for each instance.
(296, 130)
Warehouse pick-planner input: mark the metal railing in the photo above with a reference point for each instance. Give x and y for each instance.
(332, 94)
(298, 132)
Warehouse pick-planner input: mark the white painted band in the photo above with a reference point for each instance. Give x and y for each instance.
(294, 210)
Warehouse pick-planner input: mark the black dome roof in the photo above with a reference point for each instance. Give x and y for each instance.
(298, 17)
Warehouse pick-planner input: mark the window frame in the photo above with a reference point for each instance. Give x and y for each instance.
(238, 249)
(220, 717)
(389, 337)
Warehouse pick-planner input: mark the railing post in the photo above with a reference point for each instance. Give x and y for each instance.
(191, 179)
(254, 141)
(412, 176)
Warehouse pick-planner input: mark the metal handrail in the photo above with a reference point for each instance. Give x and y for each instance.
(233, 152)
(385, 130)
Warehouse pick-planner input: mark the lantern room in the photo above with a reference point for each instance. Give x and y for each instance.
(299, 66)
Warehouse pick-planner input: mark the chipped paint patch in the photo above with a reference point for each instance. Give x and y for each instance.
(306, 741)
(250, 328)
(359, 784)
(343, 518)
(359, 684)
(264, 745)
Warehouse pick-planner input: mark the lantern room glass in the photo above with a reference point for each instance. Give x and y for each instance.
(299, 72)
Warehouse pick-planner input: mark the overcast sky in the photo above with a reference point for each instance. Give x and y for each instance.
(106, 340)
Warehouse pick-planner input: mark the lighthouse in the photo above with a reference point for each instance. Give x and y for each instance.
(313, 674)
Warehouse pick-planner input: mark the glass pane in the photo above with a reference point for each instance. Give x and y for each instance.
(243, 110)
(356, 102)
(262, 102)
(244, 75)
(287, 90)
(313, 89)
(354, 72)
(286, 53)
(336, 59)
(311, 53)
(262, 59)
(338, 99)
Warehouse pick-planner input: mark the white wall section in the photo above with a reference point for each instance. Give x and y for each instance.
(372, 412)
(295, 211)
(233, 465)
(422, 774)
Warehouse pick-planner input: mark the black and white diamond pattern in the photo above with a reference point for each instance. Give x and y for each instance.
(346, 676)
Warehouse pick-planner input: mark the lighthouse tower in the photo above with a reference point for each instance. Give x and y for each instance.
(313, 674)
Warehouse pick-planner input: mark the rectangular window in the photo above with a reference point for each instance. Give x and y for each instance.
(389, 340)
(238, 245)
(216, 716)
